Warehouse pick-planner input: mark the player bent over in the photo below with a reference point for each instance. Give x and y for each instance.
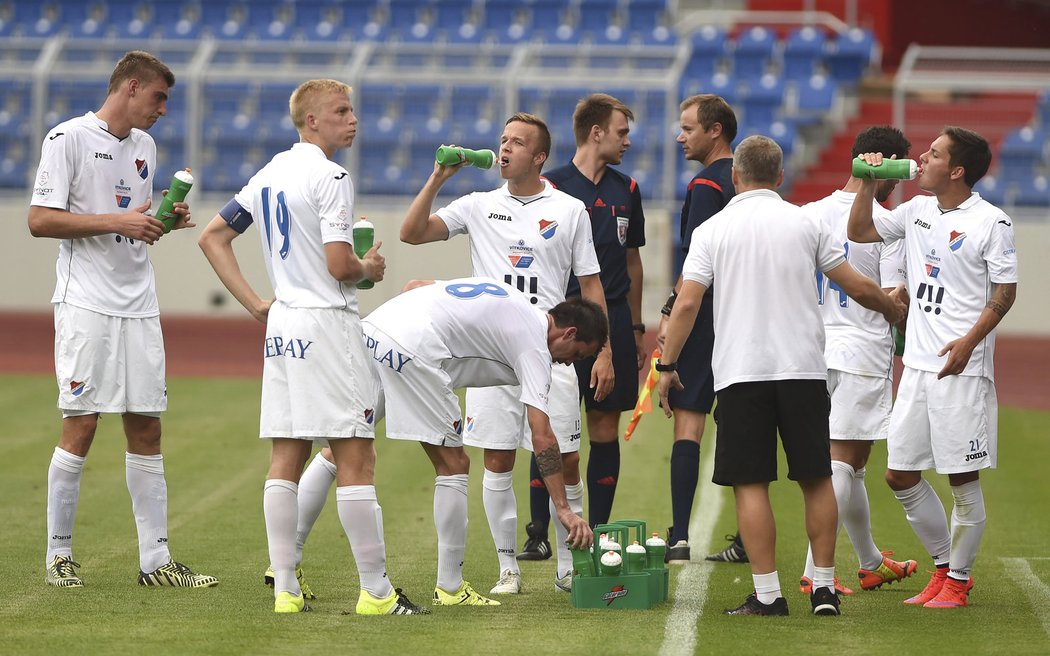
(476, 332)
(304, 204)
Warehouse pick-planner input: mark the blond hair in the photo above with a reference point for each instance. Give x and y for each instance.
(305, 97)
(596, 109)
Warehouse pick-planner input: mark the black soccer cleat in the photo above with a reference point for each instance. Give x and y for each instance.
(752, 606)
(537, 546)
(734, 553)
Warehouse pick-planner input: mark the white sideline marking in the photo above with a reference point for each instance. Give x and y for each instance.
(1037, 591)
(691, 589)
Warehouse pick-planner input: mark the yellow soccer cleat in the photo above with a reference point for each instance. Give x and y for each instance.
(396, 604)
(177, 575)
(465, 596)
(286, 602)
(61, 573)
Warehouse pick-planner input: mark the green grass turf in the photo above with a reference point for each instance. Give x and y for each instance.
(215, 469)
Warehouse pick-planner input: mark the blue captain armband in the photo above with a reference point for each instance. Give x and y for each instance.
(236, 216)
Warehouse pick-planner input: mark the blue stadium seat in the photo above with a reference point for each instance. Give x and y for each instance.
(709, 49)
(36, 19)
(660, 35)
(816, 97)
(1022, 151)
(850, 55)
(763, 97)
(14, 164)
(405, 13)
(501, 13)
(450, 14)
(547, 15)
(595, 15)
(803, 52)
(753, 52)
(1043, 110)
(89, 23)
(991, 190)
(467, 101)
(724, 85)
(1033, 192)
(645, 15)
(464, 40)
(782, 132)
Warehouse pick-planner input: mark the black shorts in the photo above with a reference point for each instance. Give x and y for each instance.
(625, 364)
(749, 416)
(694, 364)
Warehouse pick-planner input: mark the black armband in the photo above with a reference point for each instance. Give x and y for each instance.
(669, 303)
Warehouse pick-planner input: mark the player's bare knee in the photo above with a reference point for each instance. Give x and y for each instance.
(499, 461)
(77, 434)
(143, 434)
(902, 480)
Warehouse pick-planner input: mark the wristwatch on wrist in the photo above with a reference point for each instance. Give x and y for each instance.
(660, 366)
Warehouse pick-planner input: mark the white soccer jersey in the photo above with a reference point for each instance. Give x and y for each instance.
(530, 243)
(85, 169)
(760, 253)
(302, 201)
(482, 332)
(857, 340)
(953, 259)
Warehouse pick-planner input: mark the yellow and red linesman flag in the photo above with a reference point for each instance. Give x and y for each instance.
(645, 397)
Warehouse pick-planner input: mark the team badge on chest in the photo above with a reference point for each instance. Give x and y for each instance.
(955, 240)
(143, 170)
(548, 228)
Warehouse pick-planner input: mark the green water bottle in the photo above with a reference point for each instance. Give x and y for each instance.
(655, 548)
(181, 183)
(890, 169)
(452, 155)
(612, 563)
(582, 561)
(898, 341)
(364, 237)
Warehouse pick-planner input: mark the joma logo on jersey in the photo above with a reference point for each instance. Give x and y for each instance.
(391, 358)
(500, 217)
(975, 456)
(923, 224)
(292, 348)
(104, 156)
(548, 228)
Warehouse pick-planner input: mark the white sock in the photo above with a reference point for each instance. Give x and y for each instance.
(842, 483)
(362, 520)
(501, 509)
(967, 528)
(149, 502)
(856, 517)
(280, 509)
(767, 587)
(63, 492)
(314, 485)
(450, 520)
(925, 513)
(574, 495)
(823, 577)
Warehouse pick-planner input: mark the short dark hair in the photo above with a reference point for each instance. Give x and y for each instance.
(711, 109)
(970, 151)
(140, 65)
(588, 318)
(884, 139)
(544, 146)
(596, 109)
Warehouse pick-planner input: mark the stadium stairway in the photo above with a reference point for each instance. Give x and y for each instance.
(991, 114)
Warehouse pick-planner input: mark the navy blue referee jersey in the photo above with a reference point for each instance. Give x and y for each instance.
(617, 222)
(709, 192)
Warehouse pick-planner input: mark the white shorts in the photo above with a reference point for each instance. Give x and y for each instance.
(860, 406)
(108, 364)
(415, 395)
(496, 416)
(317, 381)
(950, 425)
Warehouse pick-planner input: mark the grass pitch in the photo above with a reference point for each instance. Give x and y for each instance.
(215, 469)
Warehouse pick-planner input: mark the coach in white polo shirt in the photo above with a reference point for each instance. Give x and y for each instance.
(475, 332)
(768, 361)
(962, 277)
(93, 187)
(316, 384)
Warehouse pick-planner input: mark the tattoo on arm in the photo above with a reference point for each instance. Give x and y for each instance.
(548, 461)
(1003, 296)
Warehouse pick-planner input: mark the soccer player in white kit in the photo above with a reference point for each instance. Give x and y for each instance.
(761, 251)
(475, 332)
(531, 236)
(313, 386)
(93, 187)
(858, 348)
(962, 278)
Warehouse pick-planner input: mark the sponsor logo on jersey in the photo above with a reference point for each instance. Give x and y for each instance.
(599, 203)
(123, 202)
(614, 594)
(42, 179)
(104, 156)
(548, 228)
(122, 192)
(369, 415)
(1009, 251)
(575, 437)
(521, 261)
(521, 247)
(621, 228)
(932, 271)
(142, 168)
(341, 176)
(55, 136)
(277, 346)
(470, 423)
(955, 240)
(975, 456)
(76, 387)
(496, 216)
(923, 224)
(396, 360)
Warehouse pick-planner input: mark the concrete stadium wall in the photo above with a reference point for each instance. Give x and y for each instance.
(186, 284)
